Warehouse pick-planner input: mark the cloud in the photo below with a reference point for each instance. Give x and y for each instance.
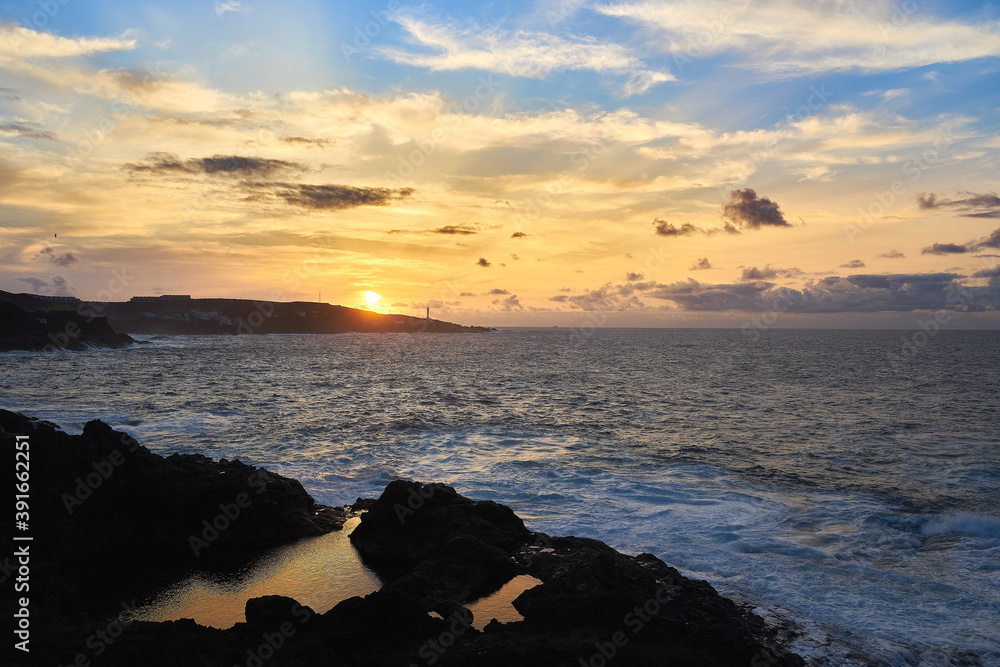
(236, 166)
(633, 277)
(747, 210)
(944, 249)
(992, 273)
(753, 273)
(608, 298)
(222, 8)
(664, 228)
(518, 235)
(483, 262)
(468, 294)
(520, 53)
(768, 273)
(991, 241)
(29, 130)
(62, 287)
(37, 284)
(508, 304)
(853, 264)
(973, 205)
(560, 298)
(835, 294)
(782, 38)
(65, 259)
(18, 42)
(307, 142)
(701, 264)
(336, 197)
(464, 230)
(496, 291)
(892, 254)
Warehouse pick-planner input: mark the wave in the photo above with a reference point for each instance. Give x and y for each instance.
(978, 525)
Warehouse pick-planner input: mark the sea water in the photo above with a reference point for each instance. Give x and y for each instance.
(845, 483)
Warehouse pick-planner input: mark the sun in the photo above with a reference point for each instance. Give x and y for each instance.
(372, 298)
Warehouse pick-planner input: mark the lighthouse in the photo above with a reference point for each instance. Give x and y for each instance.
(428, 313)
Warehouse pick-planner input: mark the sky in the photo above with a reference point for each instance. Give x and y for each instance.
(558, 162)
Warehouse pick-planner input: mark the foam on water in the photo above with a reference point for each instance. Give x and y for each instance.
(858, 577)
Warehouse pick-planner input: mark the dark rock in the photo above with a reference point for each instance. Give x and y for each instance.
(271, 611)
(411, 522)
(59, 330)
(101, 492)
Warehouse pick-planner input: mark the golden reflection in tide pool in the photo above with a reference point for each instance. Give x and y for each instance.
(499, 605)
(318, 572)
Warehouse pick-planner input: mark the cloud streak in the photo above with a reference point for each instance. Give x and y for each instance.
(520, 53)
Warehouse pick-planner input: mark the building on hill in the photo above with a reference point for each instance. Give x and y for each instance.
(57, 299)
(162, 297)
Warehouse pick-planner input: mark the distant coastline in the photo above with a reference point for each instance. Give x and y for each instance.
(63, 322)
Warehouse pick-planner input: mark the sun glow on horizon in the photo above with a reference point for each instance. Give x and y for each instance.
(372, 298)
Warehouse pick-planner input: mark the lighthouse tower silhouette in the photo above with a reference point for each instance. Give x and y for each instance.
(428, 313)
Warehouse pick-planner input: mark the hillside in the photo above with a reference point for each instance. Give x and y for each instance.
(176, 315)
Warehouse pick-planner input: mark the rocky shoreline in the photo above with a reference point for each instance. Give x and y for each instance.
(56, 331)
(109, 518)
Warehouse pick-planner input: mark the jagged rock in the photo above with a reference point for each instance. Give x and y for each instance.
(60, 330)
(102, 492)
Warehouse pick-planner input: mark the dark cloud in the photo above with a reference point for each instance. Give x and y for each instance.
(835, 294)
(36, 283)
(465, 230)
(305, 141)
(745, 209)
(29, 130)
(609, 298)
(467, 294)
(892, 254)
(753, 273)
(944, 249)
(853, 264)
(561, 298)
(483, 262)
(508, 304)
(333, 196)
(236, 166)
(664, 228)
(498, 292)
(514, 257)
(701, 264)
(972, 205)
(991, 241)
(518, 235)
(565, 289)
(768, 273)
(992, 273)
(65, 259)
(632, 277)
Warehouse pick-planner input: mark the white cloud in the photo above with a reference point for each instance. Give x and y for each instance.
(520, 53)
(18, 42)
(234, 6)
(791, 37)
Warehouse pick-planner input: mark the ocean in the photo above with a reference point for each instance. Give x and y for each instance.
(845, 483)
